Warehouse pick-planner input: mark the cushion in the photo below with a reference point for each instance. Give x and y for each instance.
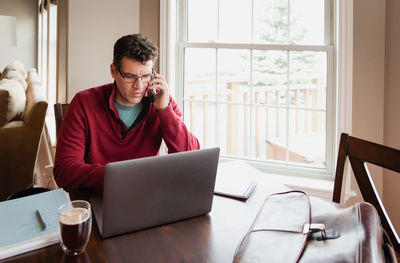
(34, 94)
(13, 74)
(32, 76)
(16, 99)
(15, 66)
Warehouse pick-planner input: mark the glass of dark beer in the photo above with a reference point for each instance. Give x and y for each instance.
(75, 226)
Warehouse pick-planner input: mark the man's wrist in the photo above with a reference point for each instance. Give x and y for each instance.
(163, 108)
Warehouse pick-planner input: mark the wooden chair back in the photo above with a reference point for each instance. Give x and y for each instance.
(59, 112)
(360, 152)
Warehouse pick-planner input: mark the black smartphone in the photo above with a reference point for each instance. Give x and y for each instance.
(151, 93)
(151, 96)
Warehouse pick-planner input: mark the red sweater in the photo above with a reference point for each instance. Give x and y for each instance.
(92, 134)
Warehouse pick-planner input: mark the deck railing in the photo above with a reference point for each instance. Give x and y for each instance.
(306, 102)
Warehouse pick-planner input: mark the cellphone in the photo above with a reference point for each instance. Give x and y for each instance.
(151, 96)
(151, 92)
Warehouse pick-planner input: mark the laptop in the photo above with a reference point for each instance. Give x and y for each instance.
(152, 191)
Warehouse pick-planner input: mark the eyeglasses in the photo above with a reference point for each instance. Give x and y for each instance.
(132, 78)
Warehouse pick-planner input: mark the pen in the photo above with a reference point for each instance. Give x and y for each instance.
(42, 223)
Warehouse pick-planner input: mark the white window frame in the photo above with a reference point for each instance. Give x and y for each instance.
(340, 77)
(47, 60)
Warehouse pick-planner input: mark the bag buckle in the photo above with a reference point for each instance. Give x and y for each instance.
(318, 232)
(309, 228)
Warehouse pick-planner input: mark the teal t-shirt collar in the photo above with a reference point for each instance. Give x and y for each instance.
(128, 114)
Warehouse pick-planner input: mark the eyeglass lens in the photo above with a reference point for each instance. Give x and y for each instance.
(134, 78)
(131, 78)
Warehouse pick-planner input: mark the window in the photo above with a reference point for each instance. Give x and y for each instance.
(256, 77)
(47, 58)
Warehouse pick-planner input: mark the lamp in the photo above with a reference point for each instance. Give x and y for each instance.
(8, 31)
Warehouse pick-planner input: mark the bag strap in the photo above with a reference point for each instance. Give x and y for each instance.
(388, 251)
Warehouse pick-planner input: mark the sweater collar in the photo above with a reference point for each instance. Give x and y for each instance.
(111, 98)
(111, 101)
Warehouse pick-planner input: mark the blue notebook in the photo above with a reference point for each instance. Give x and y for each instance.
(20, 226)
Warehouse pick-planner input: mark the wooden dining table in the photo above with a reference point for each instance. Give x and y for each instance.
(209, 238)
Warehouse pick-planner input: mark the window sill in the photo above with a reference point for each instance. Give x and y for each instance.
(320, 187)
(314, 187)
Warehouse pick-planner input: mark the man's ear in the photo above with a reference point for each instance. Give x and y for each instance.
(113, 71)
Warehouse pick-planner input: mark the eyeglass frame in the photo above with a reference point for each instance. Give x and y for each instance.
(123, 75)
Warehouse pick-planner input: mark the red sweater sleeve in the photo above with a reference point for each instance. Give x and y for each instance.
(174, 131)
(70, 170)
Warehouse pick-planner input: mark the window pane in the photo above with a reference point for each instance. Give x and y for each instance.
(233, 75)
(270, 133)
(52, 71)
(289, 22)
(270, 97)
(234, 21)
(200, 74)
(307, 23)
(270, 21)
(202, 20)
(308, 79)
(307, 137)
(234, 129)
(270, 77)
(200, 118)
(43, 46)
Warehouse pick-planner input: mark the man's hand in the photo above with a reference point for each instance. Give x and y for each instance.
(161, 92)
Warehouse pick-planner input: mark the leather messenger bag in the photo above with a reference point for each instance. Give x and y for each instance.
(291, 227)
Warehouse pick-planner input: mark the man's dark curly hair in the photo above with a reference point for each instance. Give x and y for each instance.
(135, 46)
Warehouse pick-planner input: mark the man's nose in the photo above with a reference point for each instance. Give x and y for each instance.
(138, 83)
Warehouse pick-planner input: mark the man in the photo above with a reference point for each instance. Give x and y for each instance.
(123, 120)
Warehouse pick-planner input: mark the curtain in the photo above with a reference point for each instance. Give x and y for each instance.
(45, 4)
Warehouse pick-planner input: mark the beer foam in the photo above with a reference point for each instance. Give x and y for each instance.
(74, 216)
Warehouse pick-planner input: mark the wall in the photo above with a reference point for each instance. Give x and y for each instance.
(376, 93)
(62, 30)
(92, 28)
(391, 182)
(150, 22)
(26, 13)
(368, 75)
(86, 42)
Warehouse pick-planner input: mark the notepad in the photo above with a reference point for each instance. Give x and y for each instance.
(20, 229)
(235, 179)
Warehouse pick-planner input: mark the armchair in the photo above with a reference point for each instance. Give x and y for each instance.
(19, 141)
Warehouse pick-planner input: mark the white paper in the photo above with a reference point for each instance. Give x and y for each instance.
(235, 179)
